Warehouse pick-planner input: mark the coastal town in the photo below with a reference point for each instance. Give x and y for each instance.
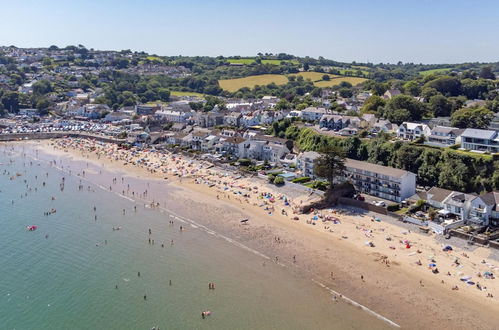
(244, 133)
(421, 155)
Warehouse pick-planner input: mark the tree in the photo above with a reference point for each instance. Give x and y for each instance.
(412, 88)
(42, 105)
(306, 67)
(403, 107)
(446, 85)
(474, 89)
(326, 77)
(164, 94)
(372, 104)
(345, 92)
(472, 117)
(486, 73)
(440, 106)
(42, 87)
(330, 164)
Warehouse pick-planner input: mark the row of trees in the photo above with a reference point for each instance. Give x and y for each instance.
(445, 168)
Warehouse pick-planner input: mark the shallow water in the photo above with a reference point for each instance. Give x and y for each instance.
(67, 280)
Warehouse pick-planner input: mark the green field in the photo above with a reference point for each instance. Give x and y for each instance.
(233, 85)
(315, 76)
(428, 72)
(251, 60)
(177, 93)
(336, 81)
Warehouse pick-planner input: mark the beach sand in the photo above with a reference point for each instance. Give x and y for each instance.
(384, 276)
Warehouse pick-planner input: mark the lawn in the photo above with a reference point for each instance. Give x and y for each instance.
(336, 81)
(233, 85)
(177, 93)
(428, 72)
(153, 58)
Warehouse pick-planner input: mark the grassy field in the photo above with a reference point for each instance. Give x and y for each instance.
(428, 72)
(233, 85)
(336, 81)
(247, 61)
(315, 76)
(153, 58)
(244, 61)
(177, 93)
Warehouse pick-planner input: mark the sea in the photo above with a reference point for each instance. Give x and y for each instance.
(80, 268)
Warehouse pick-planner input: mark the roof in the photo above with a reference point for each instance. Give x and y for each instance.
(459, 198)
(380, 169)
(310, 154)
(235, 140)
(438, 194)
(419, 195)
(491, 198)
(444, 129)
(479, 133)
(413, 125)
(315, 110)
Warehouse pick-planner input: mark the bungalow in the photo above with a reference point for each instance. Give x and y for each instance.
(411, 131)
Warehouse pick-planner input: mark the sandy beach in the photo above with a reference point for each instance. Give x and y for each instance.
(392, 270)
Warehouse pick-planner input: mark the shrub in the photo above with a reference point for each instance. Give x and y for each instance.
(278, 180)
(393, 207)
(244, 162)
(303, 179)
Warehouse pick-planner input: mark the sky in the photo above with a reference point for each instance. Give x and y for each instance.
(387, 31)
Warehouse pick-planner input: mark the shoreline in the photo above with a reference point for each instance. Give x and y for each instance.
(392, 275)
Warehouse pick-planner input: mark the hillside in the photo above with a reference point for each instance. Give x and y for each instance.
(233, 85)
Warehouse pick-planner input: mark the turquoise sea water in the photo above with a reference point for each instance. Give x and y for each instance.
(63, 275)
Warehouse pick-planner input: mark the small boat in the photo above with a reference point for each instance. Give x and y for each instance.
(31, 227)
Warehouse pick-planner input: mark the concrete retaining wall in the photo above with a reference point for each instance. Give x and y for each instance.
(362, 205)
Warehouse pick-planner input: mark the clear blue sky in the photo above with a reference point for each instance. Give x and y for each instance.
(436, 31)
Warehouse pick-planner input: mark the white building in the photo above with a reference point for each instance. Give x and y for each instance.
(411, 131)
(480, 140)
(313, 113)
(173, 116)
